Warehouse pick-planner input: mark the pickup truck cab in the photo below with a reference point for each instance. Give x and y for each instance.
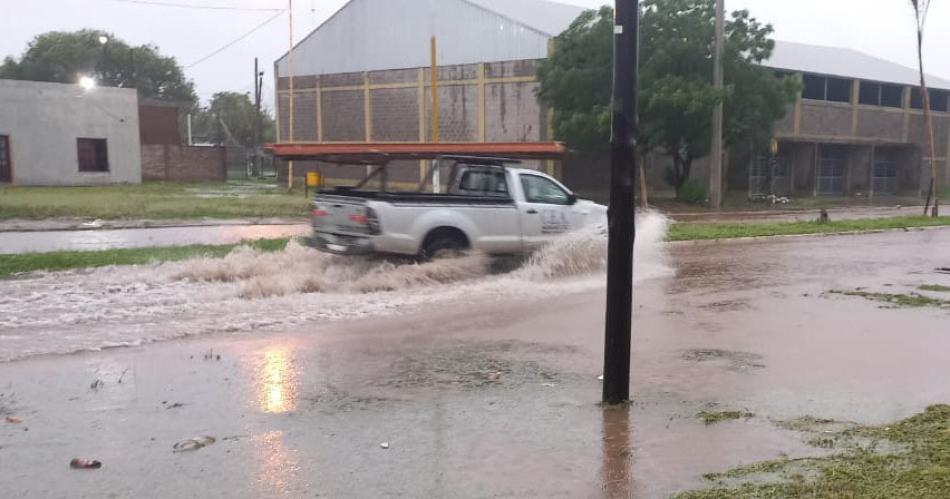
(488, 206)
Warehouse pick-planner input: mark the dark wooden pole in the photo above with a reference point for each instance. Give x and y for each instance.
(623, 168)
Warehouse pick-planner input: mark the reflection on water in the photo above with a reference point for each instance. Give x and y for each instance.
(278, 466)
(616, 452)
(277, 384)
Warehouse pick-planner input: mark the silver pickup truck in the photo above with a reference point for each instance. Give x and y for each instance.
(488, 206)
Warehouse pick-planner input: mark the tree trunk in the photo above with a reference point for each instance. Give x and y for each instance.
(928, 118)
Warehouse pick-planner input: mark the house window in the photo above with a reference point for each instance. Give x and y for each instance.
(826, 88)
(938, 99)
(93, 155)
(892, 96)
(814, 87)
(870, 94)
(839, 90)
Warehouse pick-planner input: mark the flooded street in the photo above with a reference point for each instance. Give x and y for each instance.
(478, 383)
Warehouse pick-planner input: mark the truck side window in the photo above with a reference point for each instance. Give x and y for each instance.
(541, 190)
(484, 183)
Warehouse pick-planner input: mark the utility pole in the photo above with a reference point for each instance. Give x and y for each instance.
(258, 124)
(436, 118)
(622, 231)
(715, 156)
(290, 74)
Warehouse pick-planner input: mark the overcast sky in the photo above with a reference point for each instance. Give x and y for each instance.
(883, 28)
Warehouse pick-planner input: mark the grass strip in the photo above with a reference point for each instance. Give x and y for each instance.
(11, 265)
(708, 231)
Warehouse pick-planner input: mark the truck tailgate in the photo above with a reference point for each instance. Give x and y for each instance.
(343, 215)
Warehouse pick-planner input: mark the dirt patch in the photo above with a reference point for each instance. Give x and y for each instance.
(727, 306)
(894, 300)
(335, 399)
(469, 367)
(729, 359)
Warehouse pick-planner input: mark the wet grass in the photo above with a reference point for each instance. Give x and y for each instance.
(917, 465)
(896, 300)
(935, 288)
(713, 417)
(153, 200)
(12, 265)
(705, 231)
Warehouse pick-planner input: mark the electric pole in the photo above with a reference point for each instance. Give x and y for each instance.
(715, 156)
(622, 231)
(258, 124)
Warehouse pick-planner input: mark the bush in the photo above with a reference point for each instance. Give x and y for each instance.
(692, 192)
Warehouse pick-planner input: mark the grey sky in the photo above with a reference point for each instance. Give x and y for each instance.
(883, 28)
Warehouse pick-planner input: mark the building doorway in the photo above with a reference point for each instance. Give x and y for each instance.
(831, 169)
(6, 167)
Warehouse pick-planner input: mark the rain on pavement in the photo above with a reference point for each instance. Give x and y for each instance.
(478, 382)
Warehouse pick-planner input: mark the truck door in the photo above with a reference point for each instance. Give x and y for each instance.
(545, 212)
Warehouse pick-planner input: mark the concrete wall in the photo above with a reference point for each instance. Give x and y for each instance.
(43, 121)
(175, 162)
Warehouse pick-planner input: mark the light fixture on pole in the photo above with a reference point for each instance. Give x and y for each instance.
(87, 83)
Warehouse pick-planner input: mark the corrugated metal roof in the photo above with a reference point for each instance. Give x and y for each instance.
(846, 63)
(550, 18)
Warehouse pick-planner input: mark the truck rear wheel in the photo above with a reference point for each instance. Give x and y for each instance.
(443, 245)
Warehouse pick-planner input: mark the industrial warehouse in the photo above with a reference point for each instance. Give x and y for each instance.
(856, 130)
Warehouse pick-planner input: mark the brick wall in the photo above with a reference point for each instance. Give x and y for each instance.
(183, 163)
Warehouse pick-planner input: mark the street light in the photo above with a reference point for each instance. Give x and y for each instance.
(87, 83)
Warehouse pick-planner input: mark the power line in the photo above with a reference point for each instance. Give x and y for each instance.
(236, 40)
(196, 6)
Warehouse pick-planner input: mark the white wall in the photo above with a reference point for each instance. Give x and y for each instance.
(43, 121)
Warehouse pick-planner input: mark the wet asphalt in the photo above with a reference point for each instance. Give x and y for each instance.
(499, 399)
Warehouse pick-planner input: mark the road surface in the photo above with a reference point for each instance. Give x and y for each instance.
(480, 386)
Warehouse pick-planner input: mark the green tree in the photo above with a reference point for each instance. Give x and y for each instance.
(230, 119)
(676, 92)
(62, 57)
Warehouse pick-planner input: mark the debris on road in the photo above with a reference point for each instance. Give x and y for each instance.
(14, 419)
(193, 444)
(384, 445)
(176, 405)
(96, 385)
(85, 464)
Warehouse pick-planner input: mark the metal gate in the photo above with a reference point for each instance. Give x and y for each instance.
(831, 169)
(770, 175)
(885, 176)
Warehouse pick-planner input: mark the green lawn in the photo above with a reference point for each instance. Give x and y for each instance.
(907, 459)
(63, 260)
(703, 231)
(158, 200)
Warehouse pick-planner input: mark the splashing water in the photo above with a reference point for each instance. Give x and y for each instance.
(64, 312)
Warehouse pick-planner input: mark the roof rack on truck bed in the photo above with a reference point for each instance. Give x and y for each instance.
(379, 153)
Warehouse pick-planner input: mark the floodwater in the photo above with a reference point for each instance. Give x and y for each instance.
(101, 239)
(481, 385)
